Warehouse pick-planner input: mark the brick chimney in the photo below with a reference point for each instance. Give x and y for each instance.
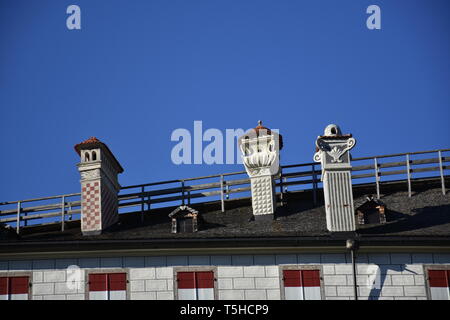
(332, 151)
(260, 149)
(99, 186)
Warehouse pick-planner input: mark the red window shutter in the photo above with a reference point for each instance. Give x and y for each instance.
(117, 281)
(186, 280)
(292, 278)
(311, 278)
(98, 282)
(438, 278)
(205, 279)
(3, 285)
(18, 285)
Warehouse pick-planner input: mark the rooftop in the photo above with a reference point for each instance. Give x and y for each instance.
(417, 212)
(423, 218)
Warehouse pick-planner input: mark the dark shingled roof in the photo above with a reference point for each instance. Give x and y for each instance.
(426, 215)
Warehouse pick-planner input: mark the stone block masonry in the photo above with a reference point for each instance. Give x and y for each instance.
(237, 277)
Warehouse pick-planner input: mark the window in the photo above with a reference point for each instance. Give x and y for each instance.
(301, 284)
(198, 285)
(107, 286)
(14, 288)
(439, 281)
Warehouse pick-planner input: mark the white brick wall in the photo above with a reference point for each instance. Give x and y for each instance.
(137, 285)
(257, 282)
(143, 295)
(330, 291)
(255, 295)
(225, 283)
(164, 273)
(417, 291)
(343, 269)
(43, 288)
(142, 273)
(274, 294)
(254, 271)
(271, 271)
(267, 283)
(156, 285)
(75, 296)
(335, 280)
(230, 272)
(231, 294)
(166, 295)
(402, 280)
(55, 276)
(38, 277)
(328, 269)
(243, 283)
(392, 291)
(401, 275)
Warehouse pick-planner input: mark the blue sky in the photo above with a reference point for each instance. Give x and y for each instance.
(137, 70)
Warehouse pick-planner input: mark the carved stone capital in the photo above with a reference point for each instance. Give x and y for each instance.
(335, 149)
(260, 156)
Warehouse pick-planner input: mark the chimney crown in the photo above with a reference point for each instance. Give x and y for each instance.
(94, 143)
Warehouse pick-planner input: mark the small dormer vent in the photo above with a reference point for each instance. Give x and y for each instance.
(184, 220)
(373, 211)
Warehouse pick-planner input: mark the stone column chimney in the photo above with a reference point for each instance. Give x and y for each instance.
(332, 151)
(260, 149)
(99, 186)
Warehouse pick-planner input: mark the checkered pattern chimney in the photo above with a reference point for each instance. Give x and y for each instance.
(99, 187)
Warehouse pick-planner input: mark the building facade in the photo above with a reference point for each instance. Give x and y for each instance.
(380, 276)
(292, 251)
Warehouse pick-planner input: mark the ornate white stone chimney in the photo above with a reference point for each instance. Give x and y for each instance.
(99, 186)
(260, 149)
(333, 153)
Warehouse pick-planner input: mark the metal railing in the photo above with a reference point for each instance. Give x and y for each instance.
(63, 208)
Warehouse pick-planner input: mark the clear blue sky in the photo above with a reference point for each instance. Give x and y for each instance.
(137, 70)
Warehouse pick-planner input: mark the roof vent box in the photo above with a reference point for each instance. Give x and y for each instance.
(184, 220)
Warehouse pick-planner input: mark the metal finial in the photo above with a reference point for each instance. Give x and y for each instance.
(259, 123)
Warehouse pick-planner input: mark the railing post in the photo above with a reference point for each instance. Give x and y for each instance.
(281, 186)
(18, 217)
(142, 203)
(148, 203)
(408, 170)
(314, 176)
(377, 177)
(182, 192)
(222, 200)
(63, 204)
(441, 169)
(227, 192)
(70, 210)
